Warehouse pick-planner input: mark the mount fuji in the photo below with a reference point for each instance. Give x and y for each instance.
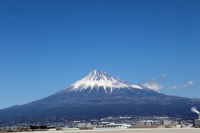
(98, 95)
(98, 79)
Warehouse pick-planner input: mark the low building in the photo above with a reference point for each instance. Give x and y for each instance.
(196, 123)
(166, 122)
(112, 126)
(148, 122)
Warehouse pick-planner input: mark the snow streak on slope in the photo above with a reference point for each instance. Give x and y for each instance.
(96, 79)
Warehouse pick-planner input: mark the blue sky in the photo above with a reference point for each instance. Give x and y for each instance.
(47, 45)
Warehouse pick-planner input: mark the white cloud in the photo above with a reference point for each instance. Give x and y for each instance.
(163, 75)
(188, 84)
(156, 83)
(153, 86)
(153, 83)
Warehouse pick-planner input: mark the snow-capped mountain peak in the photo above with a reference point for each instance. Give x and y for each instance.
(97, 79)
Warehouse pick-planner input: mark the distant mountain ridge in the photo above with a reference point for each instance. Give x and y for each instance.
(98, 95)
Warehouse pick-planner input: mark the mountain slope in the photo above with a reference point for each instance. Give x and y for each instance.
(97, 95)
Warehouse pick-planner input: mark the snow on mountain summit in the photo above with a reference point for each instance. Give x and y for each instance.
(97, 79)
